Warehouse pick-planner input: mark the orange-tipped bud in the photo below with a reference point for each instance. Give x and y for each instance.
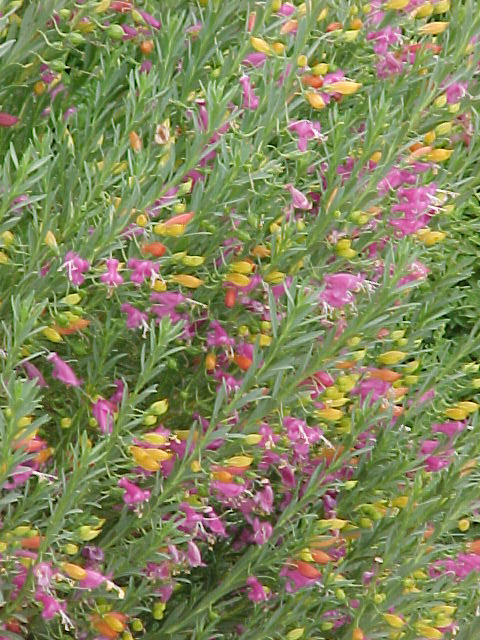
(135, 141)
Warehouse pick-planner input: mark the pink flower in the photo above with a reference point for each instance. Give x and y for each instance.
(262, 531)
(455, 92)
(112, 278)
(135, 317)
(34, 374)
(384, 38)
(102, 411)
(286, 9)
(373, 387)
(92, 580)
(146, 66)
(450, 429)
(299, 200)
(51, 606)
(218, 337)
(193, 555)
(255, 59)
(142, 269)
(150, 20)
(228, 489)
(64, 373)
(306, 130)
(250, 100)
(256, 592)
(7, 120)
(133, 494)
(339, 287)
(75, 267)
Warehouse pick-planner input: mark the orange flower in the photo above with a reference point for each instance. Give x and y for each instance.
(313, 81)
(387, 375)
(156, 249)
(32, 543)
(135, 141)
(78, 325)
(307, 570)
(109, 625)
(146, 47)
(242, 361)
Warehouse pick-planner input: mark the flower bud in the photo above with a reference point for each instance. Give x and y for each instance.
(391, 357)
(52, 335)
(160, 407)
(158, 610)
(344, 87)
(115, 31)
(74, 571)
(295, 634)
(393, 620)
(315, 100)
(260, 45)
(433, 28)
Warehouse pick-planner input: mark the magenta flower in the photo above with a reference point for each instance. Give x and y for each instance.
(262, 531)
(339, 287)
(286, 9)
(450, 429)
(218, 337)
(193, 555)
(7, 120)
(75, 267)
(51, 606)
(384, 38)
(142, 269)
(92, 580)
(250, 100)
(111, 278)
(63, 372)
(372, 387)
(150, 20)
(146, 66)
(256, 591)
(306, 130)
(255, 59)
(228, 489)
(135, 317)
(133, 494)
(102, 411)
(34, 374)
(299, 200)
(455, 92)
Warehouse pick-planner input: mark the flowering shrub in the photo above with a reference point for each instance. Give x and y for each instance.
(238, 293)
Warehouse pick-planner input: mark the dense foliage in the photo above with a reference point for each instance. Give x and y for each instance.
(239, 319)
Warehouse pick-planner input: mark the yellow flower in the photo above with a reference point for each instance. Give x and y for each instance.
(52, 335)
(428, 632)
(344, 87)
(242, 266)
(439, 155)
(239, 461)
(456, 413)
(329, 414)
(433, 28)
(238, 279)
(74, 571)
(191, 282)
(393, 620)
(391, 357)
(315, 100)
(260, 45)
